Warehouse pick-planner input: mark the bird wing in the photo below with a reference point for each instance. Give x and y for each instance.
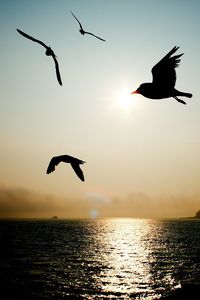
(77, 20)
(78, 171)
(95, 36)
(57, 70)
(53, 162)
(164, 74)
(31, 38)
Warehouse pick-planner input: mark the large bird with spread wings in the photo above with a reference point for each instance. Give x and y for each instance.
(164, 79)
(75, 162)
(49, 52)
(82, 31)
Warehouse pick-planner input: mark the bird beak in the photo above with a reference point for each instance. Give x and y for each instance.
(135, 92)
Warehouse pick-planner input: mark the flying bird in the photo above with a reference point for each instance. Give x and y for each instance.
(49, 52)
(82, 31)
(75, 162)
(164, 79)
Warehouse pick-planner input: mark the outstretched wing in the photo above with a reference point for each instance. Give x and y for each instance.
(54, 162)
(95, 36)
(31, 38)
(77, 20)
(164, 74)
(78, 171)
(57, 70)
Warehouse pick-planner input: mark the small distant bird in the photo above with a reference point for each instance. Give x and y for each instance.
(85, 32)
(164, 79)
(49, 52)
(75, 162)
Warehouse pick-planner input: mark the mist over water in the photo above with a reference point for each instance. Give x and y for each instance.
(98, 259)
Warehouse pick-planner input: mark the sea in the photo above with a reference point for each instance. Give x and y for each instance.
(99, 259)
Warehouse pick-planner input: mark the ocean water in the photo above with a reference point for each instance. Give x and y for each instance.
(98, 259)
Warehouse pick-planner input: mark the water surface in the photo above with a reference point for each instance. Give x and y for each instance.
(98, 259)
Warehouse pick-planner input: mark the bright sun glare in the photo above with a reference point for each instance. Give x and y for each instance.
(124, 100)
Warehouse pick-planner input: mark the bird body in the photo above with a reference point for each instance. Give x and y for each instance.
(152, 92)
(164, 79)
(48, 52)
(83, 32)
(75, 162)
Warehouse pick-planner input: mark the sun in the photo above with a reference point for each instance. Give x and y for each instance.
(124, 100)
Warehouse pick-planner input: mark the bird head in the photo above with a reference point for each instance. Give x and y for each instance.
(136, 91)
(142, 89)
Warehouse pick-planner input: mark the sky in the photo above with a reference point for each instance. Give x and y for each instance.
(142, 156)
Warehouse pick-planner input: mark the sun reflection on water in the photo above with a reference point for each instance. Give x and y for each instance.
(125, 251)
(125, 256)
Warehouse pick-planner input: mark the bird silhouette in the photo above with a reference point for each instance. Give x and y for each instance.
(82, 31)
(75, 162)
(49, 52)
(164, 79)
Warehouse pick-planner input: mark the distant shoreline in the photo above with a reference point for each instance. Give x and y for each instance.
(92, 219)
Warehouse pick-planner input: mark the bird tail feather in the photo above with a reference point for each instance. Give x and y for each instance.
(188, 95)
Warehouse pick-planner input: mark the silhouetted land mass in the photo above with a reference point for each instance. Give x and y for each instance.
(197, 216)
(75, 162)
(164, 79)
(49, 52)
(82, 31)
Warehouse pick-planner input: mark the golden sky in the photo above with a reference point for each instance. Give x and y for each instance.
(142, 156)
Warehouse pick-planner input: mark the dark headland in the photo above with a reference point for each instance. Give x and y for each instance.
(197, 216)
